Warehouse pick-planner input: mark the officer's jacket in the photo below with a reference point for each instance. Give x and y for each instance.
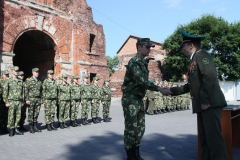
(50, 89)
(136, 78)
(86, 91)
(96, 91)
(13, 90)
(33, 89)
(75, 92)
(64, 92)
(202, 83)
(106, 93)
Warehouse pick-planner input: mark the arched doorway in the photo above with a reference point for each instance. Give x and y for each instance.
(34, 49)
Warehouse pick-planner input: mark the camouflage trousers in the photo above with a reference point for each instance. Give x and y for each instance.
(134, 116)
(34, 109)
(169, 104)
(158, 103)
(183, 103)
(106, 108)
(64, 108)
(95, 108)
(74, 109)
(3, 114)
(188, 101)
(179, 102)
(165, 103)
(14, 114)
(85, 108)
(50, 105)
(23, 114)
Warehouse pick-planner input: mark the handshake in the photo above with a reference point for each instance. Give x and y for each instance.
(165, 91)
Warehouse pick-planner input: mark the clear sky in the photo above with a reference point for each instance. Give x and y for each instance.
(154, 19)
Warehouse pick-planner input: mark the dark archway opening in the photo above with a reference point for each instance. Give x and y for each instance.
(34, 49)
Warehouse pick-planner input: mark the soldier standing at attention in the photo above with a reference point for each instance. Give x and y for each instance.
(75, 101)
(24, 107)
(160, 99)
(208, 99)
(106, 100)
(13, 95)
(86, 98)
(50, 90)
(96, 97)
(134, 88)
(64, 100)
(165, 100)
(33, 93)
(3, 108)
(157, 99)
(59, 81)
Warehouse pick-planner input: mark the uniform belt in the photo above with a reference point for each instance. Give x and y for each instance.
(35, 97)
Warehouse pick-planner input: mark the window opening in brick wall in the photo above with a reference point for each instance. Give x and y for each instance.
(91, 76)
(92, 37)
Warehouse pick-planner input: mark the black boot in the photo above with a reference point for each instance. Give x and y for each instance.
(130, 154)
(31, 128)
(22, 128)
(18, 132)
(86, 121)
(146, 112)
(48, 127)
(73, 123)
(5, 130)
(65, 125)
(155, 112)
(94, 120)
(136, 151)
(105, 119)
(108, 119)
(35, 128)
(97, 120)
(160, 112)
(83, 122)
(61, 125)
(11, 133)
(76, 123)
(52, 126)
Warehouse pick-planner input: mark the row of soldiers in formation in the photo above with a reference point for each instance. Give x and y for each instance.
(156, 103)
(17, 95)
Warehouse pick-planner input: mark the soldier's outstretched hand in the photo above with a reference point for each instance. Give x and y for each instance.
(165, 91)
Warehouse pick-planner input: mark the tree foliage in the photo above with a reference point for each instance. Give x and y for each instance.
(222, 42)
(112, 64)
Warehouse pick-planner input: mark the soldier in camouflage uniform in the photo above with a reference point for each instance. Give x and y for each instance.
(165, 98)
(157, 101)
(86, 98)
(96, 97)
(3, 108)
(106, 100)
(75, 101)
(13, 95)
(24, 107)
(188, 100)
(134, 89)
(50, 90)
(64, 100)
(33, 93)
(174, 102)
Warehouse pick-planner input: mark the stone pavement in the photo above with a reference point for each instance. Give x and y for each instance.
(168, 136)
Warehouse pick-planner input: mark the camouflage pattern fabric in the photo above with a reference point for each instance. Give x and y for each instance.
(75, 100)
(24, 108)
(106, 98)
(3, 108)
(188, 99)
(50, 105)
(179, 100)
(183, 101)
(14, 114)
(157, 101)
(96, 96)
(34, 109)
(86, 97)
(85, 108)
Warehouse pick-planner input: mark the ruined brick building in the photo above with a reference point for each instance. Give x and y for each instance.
(129, 50)
(52, 34)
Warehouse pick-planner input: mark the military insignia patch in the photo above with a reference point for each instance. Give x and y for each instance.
(137, 59)
(138, 72)
(205, 61)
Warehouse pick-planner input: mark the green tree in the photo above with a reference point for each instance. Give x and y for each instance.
(112, 64)
(222, 42)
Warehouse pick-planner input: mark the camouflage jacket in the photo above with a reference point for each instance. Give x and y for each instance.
(86, 91)
(136, 78)
(75, 92)
(1, 89)
(50, 89)
(96, 92)
(64, 92)
(33, 88)
(13, 90)
(106, 93)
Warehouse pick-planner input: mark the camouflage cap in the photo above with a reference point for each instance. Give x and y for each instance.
(165, 81)
(20, 73)
(64, 76)
(156, 79)
(85, 76)
(35, 70)
(15, 68)
(75, 77)
(145, 41)
(5, 72)
(50, 72)
(95, 78)
(106, 80)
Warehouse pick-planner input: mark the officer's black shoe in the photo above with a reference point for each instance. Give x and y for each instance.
(73, 123)
(155, 112)
(130, 154)
(11, 133)
(5, 129)
(61, 126)
(35, 128)
(108, 119)
(22, 128)
(65, 125)
(83, 122)
(136, 151)
(105, 119)
(48, 127)
(94, 120)
(179, 109)
(31, 128)
(52, 126)
(18, 132)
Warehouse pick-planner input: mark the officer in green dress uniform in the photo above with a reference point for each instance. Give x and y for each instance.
(134, 89)
(3, 108)
(33, 93)
(106, 94)
(96, 97)
(207, 98)
(50, 92)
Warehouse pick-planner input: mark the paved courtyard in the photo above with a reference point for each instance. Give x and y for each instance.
(168, 136)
